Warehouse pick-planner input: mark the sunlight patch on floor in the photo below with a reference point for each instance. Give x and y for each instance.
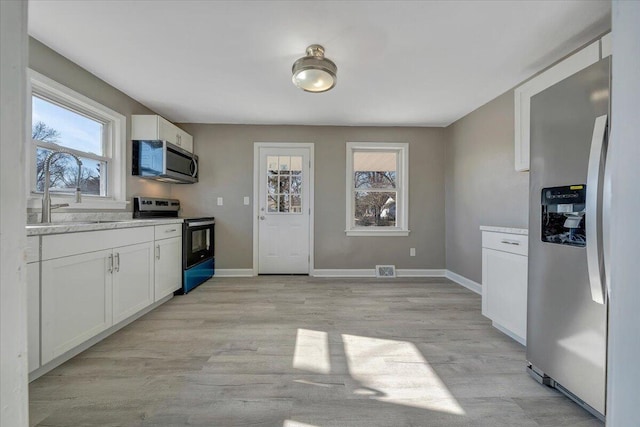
(396, 372)
(312, 351)
(291, 423)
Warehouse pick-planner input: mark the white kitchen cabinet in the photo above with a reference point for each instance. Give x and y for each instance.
(33, 302)
(133, 273)
(504, 282)
(90, 281)
(168, 266)
(76, 301)
(522, 94)
(154, 127)
(184, 140)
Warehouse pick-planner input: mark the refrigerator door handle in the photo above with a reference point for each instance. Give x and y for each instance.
(593, 225)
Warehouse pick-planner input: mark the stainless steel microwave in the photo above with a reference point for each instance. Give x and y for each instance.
(163, 161)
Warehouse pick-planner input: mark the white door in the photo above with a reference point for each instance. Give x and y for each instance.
(284, 193)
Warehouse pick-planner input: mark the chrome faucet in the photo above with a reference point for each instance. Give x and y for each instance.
(46, 198)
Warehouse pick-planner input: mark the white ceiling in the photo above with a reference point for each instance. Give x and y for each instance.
(400, 63)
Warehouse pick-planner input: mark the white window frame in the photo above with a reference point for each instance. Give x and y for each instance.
(402, 188)
(115, 128)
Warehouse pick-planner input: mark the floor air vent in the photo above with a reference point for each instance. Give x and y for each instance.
(385, 271)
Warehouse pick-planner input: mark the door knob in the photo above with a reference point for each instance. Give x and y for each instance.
(262, 217)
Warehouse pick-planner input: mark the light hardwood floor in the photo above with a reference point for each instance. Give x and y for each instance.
(292, 351)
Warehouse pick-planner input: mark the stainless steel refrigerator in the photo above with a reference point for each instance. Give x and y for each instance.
(567, 296)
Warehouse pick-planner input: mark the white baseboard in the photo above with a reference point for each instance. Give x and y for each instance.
(510, 334)
(366, 272)
(463, 281)
(406, 272)
(234, 272)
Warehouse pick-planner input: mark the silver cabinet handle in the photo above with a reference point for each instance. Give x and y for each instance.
(158, 251)
(593, 225)
(110, 265)
(117, 256)
(173, 230)
(510, 242)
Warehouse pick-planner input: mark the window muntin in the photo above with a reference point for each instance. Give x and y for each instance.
(377, 182)
(101, 148)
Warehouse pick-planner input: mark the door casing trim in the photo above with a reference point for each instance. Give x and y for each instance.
(256, 195)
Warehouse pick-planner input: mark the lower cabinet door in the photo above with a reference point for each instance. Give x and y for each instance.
(132, 279)
(504, 285)
(168, 267)
(76, 301)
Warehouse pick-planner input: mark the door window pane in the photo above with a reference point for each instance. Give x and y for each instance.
(284, 180)
(272, 183)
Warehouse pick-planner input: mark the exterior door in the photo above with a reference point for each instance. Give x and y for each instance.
(283, 210)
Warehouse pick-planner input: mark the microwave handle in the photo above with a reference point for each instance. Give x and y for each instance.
(194, 162)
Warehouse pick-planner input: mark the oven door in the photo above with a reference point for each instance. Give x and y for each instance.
(198, 242)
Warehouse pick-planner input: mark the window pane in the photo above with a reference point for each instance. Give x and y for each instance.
(63, 173)
(296, 165)
(284, 203)
(374, 169)
(272, 202)
(296, 184)
(377, 209)
(58, 125)
(364, 180)
(272, 182)
(296, 204)
(285, 163)
(284, 184)
(272, 164)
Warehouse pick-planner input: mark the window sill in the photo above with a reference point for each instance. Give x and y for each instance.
(88, 203)
(377, 233)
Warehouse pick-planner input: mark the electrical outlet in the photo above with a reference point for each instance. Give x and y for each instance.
(220, 201)
(412, 252)
(246, 200)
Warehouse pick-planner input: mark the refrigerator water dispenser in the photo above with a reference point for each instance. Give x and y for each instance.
(563, 215)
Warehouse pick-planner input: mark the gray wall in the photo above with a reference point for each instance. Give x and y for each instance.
(482, 186)
(55, 66)
(226, 170)
(624, 316)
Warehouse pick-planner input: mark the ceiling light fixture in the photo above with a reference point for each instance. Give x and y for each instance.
(314, 72)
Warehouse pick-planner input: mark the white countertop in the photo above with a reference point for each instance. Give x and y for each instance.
(79, 226)
(521, 231)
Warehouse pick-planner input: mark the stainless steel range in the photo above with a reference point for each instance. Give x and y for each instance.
(198, 246)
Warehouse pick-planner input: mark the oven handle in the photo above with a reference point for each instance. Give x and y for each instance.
(199, 223)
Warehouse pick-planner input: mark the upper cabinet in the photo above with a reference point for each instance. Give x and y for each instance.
(153, 127)
(522, 94)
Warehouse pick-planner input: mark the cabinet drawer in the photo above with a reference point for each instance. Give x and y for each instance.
(63, 245)
(512, 243)
(167, 231)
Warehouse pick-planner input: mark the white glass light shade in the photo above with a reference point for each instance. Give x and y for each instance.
(313, 80)
(314, 73)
